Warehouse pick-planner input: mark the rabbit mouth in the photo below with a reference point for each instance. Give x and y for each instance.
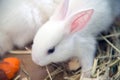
(39, 62)
(43, 63)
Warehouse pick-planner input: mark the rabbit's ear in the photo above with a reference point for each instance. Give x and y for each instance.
(61, 11)
(79, 20)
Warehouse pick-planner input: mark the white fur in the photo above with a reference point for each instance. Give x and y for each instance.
(80, 44)
(20, 20)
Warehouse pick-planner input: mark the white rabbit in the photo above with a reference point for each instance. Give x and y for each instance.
(71, 32)
(20, 20)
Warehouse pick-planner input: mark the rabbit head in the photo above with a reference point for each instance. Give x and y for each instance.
(50, 43)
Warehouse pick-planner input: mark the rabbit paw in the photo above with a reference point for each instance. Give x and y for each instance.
(73, 64)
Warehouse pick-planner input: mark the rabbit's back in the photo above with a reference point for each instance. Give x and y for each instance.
(115, 5)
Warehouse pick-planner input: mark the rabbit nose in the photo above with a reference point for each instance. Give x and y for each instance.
(35, 60)
(38, 62)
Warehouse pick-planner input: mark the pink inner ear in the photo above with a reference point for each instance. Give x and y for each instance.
(80, 20)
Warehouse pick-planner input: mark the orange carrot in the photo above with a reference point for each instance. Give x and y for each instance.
(10, 66)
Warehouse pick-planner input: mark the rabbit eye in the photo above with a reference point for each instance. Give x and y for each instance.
(50, 51)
